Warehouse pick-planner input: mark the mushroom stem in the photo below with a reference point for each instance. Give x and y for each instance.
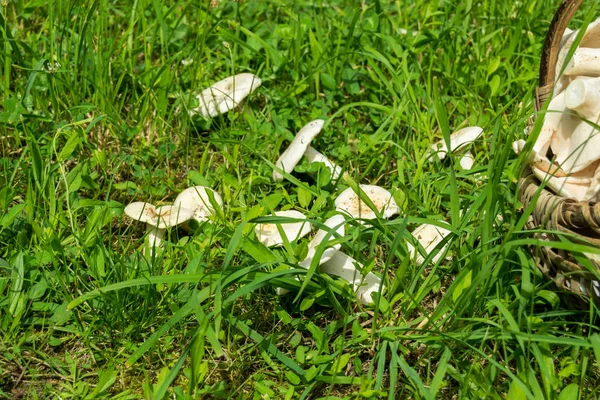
(313, 155)
(155, 237)
(343, 266)
(584, 62)
(467, 161)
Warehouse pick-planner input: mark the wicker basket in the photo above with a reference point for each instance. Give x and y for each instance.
(578, 221)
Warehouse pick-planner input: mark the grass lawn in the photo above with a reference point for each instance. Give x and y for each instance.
(95, 115)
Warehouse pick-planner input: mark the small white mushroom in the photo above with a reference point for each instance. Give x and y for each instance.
(344, 266)
(290, 157)
(197, 199)
(226, 94)
(350, 203)
(429, 236)
(313, 156)
(458, 141)
(157, 219)
(585, 61)
(335, 224)
(269, 234)
(467, 161)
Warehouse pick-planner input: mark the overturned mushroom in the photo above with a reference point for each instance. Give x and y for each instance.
(197, 199)
(226, 94)
(344, 266)
(428, 236)
(269, 234)
(157, 219)
(290, 157)
(350, 203)
(459, 141)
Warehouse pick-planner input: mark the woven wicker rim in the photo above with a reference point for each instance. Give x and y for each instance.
(579, 221)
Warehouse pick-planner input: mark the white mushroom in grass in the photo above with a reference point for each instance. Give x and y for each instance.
(226, 94)
(313, 156)
(269, 233)
(290, 157)
(198, 199)
(335, 224)
(349, 202)
(157, 219)
(344, 266)
(467, 161)
(459, 141)
(428, 236)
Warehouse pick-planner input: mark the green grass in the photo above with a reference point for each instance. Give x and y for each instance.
(95, 97)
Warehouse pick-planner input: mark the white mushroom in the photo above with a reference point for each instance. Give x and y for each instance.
(350, 202)
(564, 186)
(314, 156)
(269, 234)
(197, 199)
(583, 96)
(591, 39)
(593, 192)
(157, 219)
(458, 141)
(226, 94)
(467, 161)
(335, 224)
(576, 143)
(585, 61)
(429, 236)
(344, 266)
(290, 157)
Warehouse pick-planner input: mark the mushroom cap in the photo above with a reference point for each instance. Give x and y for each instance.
(313, 156)
(593, 192)
(429, 236)
(268, 234)
(344, 266)
(290, 157)
(196, 198)
(336, 222)
(226, 94)
(458, 141)
(563, 186)
(161, 217)
(350, 203)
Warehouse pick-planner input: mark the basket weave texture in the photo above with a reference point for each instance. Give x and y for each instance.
(578, 222)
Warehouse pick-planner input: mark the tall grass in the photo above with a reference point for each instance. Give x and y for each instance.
(95, 115)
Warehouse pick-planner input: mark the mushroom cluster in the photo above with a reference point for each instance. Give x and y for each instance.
(193, 203)
(361, 203)
(566, 154)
